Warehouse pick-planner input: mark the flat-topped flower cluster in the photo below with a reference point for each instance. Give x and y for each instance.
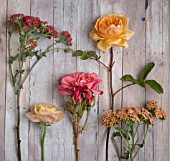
(134, 114)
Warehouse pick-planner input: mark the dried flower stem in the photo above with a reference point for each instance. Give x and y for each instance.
(9, 53)
(147, 127)
(42, 143)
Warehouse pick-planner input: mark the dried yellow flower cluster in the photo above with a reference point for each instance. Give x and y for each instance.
(157, 111)
(127, 115)
(110, 119)
(133, 114)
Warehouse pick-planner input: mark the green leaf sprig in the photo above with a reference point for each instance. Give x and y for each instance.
(142, 81)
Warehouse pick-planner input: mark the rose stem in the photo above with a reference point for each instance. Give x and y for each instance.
(42, 143)
(114, 94)
(18, 126)
(111, 99)
(85, 123)
(101, 63)
(76, 120)
(77, 141)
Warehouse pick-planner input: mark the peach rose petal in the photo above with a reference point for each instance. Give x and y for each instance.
(111, 31)
(32, 117)
(45, 113)
(103, 45)
(118, 42)
(127, 34)
(94, 35)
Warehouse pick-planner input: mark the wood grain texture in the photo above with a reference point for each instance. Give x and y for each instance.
(3, 49)
(148, 19)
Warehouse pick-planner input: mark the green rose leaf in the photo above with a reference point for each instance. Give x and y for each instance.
(84, 56)
(92, 54)
(141, 82)
(78, 53)
(128, 77)
(155, 86)
(147, 70)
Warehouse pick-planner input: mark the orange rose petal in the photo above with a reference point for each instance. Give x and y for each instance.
(103, 45)
(127, 34)
(93, 34)
(118, 42)
(124, 19)
(111, 31)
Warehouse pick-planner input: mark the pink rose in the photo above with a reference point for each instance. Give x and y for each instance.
(80, 85)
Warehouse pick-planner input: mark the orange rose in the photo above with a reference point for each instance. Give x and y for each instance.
(44, 113)
(111, 31)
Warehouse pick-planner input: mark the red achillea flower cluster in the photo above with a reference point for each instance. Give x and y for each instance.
(19, 22)
(52, 30)
(31, 21)
(68, 37)
(16, 17)
(32, 44)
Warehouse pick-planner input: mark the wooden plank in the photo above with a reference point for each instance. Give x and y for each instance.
(10, 151)
(3, 51)
(166, 75)
(41, 83)
(134, 59)
(156, 49)
(65, 19)
(107, 7)
(88, 11)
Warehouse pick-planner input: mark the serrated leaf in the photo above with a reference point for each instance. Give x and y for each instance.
(116, 134)
(155, 86)
(128, 77)
(12, 59)
(140, 145)
(14, 81)
(84, 56)
(78, 53)
(121, 131)
(125, 156)
(147, 70)
(31, 54)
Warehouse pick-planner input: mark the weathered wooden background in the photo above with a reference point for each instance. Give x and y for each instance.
(149, 20)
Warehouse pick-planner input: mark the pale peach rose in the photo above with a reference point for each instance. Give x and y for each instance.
(111, 31)
(45, 113)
